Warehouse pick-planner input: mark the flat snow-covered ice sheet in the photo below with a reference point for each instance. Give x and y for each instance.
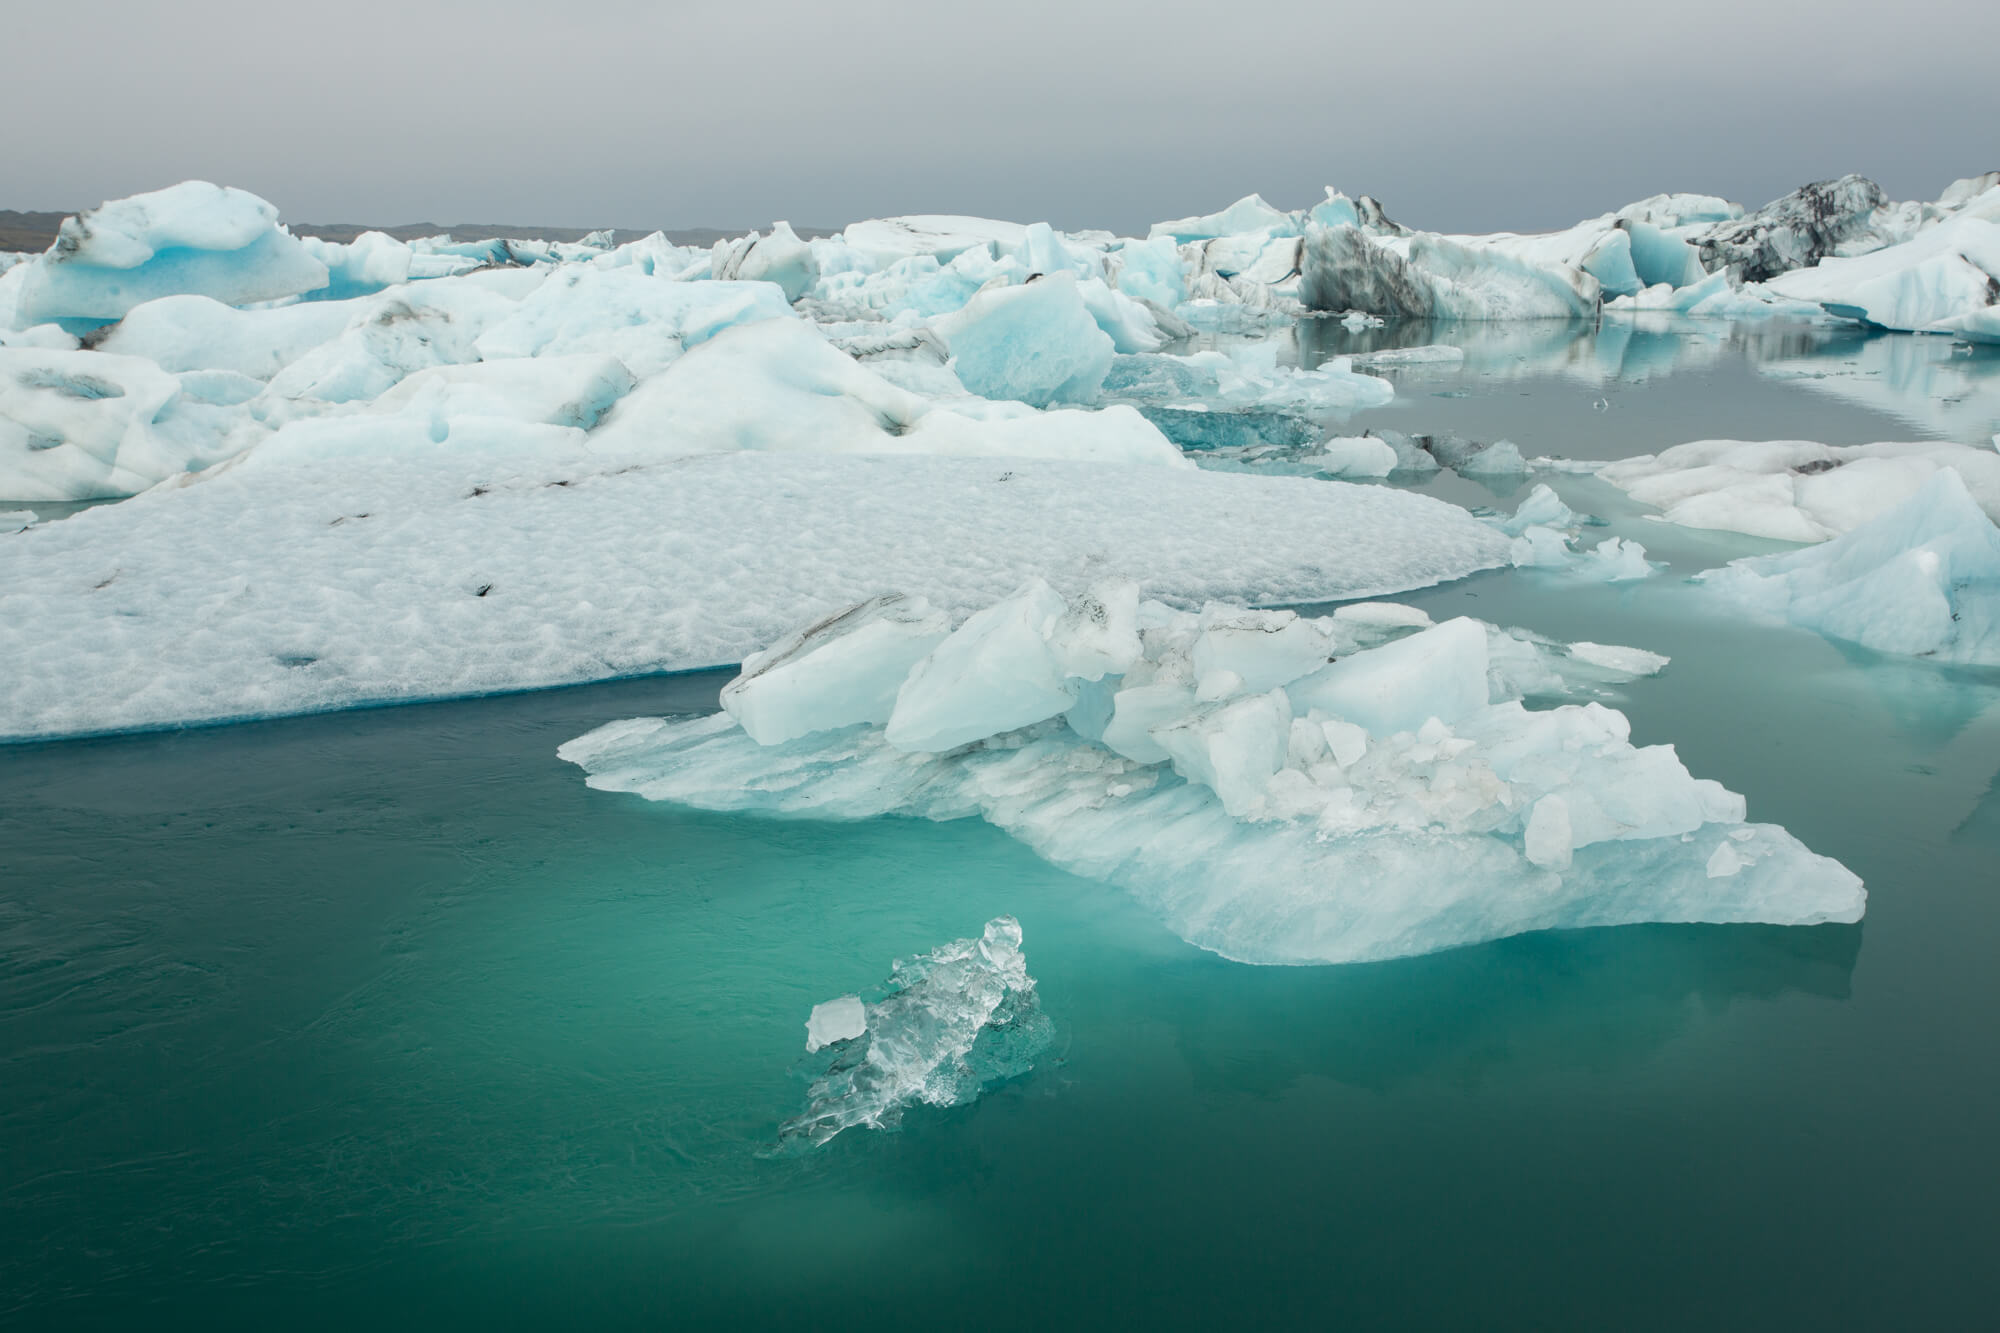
(296, 583)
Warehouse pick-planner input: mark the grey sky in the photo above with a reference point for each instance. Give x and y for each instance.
(1458, 115)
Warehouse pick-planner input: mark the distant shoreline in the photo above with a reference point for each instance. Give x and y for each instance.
(37, 231)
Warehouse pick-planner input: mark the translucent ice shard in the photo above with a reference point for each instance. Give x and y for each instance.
(944, 1027)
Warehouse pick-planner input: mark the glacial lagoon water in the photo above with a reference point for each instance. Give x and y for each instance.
(383, 1016)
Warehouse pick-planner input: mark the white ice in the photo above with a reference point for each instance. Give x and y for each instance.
(1922, 579)
(1396, 801)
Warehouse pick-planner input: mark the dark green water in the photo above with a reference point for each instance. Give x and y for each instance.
(383, 1018)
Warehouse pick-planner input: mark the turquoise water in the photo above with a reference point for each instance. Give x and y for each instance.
(383, 1016)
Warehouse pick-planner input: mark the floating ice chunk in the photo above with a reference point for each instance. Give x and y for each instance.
(1614, 560)
(1614, 657)
(1541, 546)
(946, 1026)
(780, 258)
(1499, 459)
(1298, 838)
(1430, 354)
(1796, 490)
(1129, 324)
(1922, 579)
(16, 520)
(997, 672)
(192, 237)
(1437, 673)
(1542, 508)
(836, 672)
(646, 322)
(1036, 343)
(843, 1019)
(1356, 456)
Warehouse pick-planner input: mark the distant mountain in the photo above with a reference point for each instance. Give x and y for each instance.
(36, 231)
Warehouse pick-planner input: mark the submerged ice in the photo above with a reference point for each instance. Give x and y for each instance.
(945, 1026)
(1281, 789)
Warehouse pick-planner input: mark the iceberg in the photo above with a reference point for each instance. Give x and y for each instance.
(946, 1026)
(1797, 231)
(356, 560)
(1430, 277)
(1796, 490)
(194, 237)
(1922, 579)
(1397, 800)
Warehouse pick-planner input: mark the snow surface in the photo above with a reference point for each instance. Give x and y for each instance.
(356, 560)
(1273, 805)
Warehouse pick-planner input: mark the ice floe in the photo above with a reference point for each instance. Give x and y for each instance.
(1796, 490)
(1281, 790)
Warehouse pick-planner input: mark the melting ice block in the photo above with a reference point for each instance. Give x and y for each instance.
(188, 238)
(943, 1028)
(1922, 579)
(1312, 822)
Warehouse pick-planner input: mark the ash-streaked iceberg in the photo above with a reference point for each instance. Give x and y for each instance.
(1280, 790)
(1922, 579)
(944, 1027)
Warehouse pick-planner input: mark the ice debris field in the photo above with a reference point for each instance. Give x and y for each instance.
(973, 505)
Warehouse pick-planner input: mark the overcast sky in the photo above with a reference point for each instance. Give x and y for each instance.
(1457, 115)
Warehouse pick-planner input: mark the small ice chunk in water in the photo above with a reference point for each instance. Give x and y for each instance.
(843, 1019)
(944, 1027)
